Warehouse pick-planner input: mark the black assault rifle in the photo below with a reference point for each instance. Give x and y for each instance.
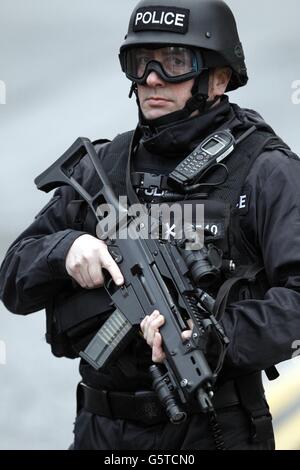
(157, 277)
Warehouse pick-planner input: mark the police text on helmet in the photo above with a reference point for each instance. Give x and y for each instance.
(160, 18)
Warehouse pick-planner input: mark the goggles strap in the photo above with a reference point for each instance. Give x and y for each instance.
(200, 95)
(133, 89)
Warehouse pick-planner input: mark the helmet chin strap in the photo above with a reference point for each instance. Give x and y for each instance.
(198, 102)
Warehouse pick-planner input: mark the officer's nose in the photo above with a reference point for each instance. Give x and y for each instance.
(154, 79)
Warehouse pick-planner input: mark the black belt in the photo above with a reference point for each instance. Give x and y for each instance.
(142, 406)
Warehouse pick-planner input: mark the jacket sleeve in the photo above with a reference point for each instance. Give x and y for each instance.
(263, 332)
(34, 267)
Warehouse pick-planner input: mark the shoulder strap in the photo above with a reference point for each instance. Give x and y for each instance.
(239, 165)
(262, 141)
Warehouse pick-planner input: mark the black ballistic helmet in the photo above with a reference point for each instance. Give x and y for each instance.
(205, 24)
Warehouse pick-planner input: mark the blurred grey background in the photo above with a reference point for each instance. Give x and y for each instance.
(59, 63)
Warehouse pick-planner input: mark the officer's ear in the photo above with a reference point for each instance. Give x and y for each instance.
(219, 79)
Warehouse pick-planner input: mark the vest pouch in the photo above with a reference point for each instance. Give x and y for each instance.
(216, 224)
(72, 321)
(211, 217)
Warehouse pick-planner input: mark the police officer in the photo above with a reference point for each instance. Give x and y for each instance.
(181, 57)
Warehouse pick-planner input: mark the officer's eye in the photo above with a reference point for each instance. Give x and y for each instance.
(143, 61)
(179, 62)
(175, 61)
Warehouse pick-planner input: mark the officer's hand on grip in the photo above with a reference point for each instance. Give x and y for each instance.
(150, 328)
(86, 259)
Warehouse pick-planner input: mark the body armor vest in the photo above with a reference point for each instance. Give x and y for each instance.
(84, 312)
(223, 230)
(221, 209)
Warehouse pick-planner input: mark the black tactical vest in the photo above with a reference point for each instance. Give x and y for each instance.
(74, 318)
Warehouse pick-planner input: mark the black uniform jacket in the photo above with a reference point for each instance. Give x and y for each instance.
(262, 332)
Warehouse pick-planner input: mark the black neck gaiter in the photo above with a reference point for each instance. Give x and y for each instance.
(179, 139)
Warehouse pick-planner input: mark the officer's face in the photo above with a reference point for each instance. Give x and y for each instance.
(158, 98)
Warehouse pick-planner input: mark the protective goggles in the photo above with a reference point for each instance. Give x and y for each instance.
(172, 63)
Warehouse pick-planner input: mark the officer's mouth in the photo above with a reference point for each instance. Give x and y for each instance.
(157, 101)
